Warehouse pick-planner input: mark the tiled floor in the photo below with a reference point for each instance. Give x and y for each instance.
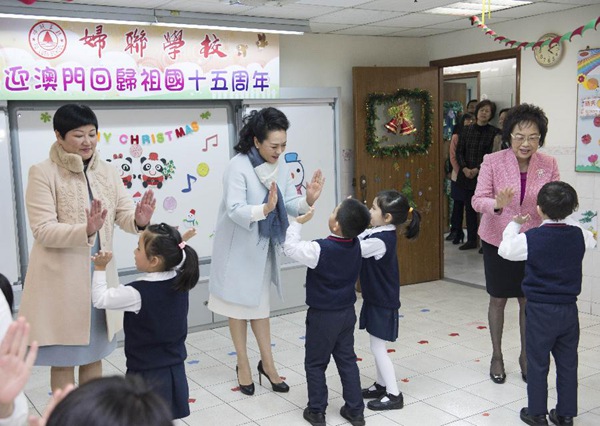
(442, 362)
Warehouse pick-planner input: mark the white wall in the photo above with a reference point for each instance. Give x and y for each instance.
(327, 60)
(497, 81)
(555, 90)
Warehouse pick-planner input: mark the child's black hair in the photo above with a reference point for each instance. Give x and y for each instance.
(72, 116)
(557, 200)
(116, 401)
(394, 203)
(6, 289)
(257, 125)
(353, 217)
(165, 241)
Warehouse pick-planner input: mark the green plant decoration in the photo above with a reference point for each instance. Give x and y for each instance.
(418, 141)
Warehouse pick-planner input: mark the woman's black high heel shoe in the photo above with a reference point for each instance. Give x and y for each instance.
(245, 389)
(277, 387)
(452, 235)
(523, 365)
(497, 378)
(459, 238)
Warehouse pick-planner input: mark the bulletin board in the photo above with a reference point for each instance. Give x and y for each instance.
(587, 158)
(191, 145)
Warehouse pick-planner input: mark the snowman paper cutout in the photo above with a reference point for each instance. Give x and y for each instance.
(296, 171)
(190, 220)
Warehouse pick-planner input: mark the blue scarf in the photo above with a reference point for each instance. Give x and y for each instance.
(276, 223)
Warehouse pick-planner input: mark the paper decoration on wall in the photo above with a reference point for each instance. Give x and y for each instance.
(593, 24)
(407, 191)
(587, 150)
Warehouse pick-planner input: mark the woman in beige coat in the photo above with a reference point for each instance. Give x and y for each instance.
(73, 201)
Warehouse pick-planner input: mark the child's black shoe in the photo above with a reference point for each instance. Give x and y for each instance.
(374, 392)
(560, 420)
(355, 420)
(314, 418)
(533, 420)
(387, 402)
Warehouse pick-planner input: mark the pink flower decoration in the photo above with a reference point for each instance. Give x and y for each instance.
(593, 158)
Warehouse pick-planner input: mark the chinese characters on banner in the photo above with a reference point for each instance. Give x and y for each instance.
(65, 60)
(588, 111)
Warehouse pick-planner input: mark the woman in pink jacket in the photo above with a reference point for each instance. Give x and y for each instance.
(509, 181)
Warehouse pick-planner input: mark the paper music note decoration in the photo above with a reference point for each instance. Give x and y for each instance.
(190, 178)
(214, 137)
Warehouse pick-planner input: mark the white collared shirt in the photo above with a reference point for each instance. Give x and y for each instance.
(374, 247)
(123, 297)
(514, 244)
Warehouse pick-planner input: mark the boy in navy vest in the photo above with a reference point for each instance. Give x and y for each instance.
(553, 253)
(333, 268)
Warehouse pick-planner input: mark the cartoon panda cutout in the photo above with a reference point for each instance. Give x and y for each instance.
(123, 166)
(152, 171)
(296, 170)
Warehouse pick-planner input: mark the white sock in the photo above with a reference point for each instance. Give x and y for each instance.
(385, 368)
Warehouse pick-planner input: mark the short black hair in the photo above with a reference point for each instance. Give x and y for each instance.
(73, 116)
(115, 401)
(486, 102)
(353, 217)
(525, 114)
(6, 289)
(557, 200)
(257, 125)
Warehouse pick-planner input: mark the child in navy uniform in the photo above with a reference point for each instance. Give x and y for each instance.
(553, 253)
(156, 309)
(333, 268)
(380, 286)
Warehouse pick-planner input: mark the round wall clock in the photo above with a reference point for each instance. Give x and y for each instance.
(547, 55)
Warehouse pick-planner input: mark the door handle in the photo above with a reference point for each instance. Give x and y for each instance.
(363, 188)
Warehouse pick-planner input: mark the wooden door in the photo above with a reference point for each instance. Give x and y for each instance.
(455, 92)
(420, 260)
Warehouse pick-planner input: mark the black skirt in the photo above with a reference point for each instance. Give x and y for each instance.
(379, 322)
(502, 277)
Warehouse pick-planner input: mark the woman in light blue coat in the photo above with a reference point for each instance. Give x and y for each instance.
(258, 194)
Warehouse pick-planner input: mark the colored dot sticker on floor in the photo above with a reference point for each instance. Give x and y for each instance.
(425, 310)
(486, 414)
(232, 353)
(453, 334)
(481, 327)
(405, 380)
(400, 316)
(192, 400)
(391, 350)
(423, 342)
(302, 337)
(194, 361)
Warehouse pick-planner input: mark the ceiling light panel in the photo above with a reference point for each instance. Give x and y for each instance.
(356, 16)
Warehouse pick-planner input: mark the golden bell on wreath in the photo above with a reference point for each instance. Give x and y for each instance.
(392, 126)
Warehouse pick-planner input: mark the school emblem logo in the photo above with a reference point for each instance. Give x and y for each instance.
(47, 39)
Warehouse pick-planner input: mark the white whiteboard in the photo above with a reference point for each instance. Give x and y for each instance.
(194, 143)
(311, 139)
(9, 265)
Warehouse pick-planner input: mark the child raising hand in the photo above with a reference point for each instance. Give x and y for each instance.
(156, 309)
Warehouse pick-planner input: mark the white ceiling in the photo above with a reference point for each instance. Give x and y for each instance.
(392, 18)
